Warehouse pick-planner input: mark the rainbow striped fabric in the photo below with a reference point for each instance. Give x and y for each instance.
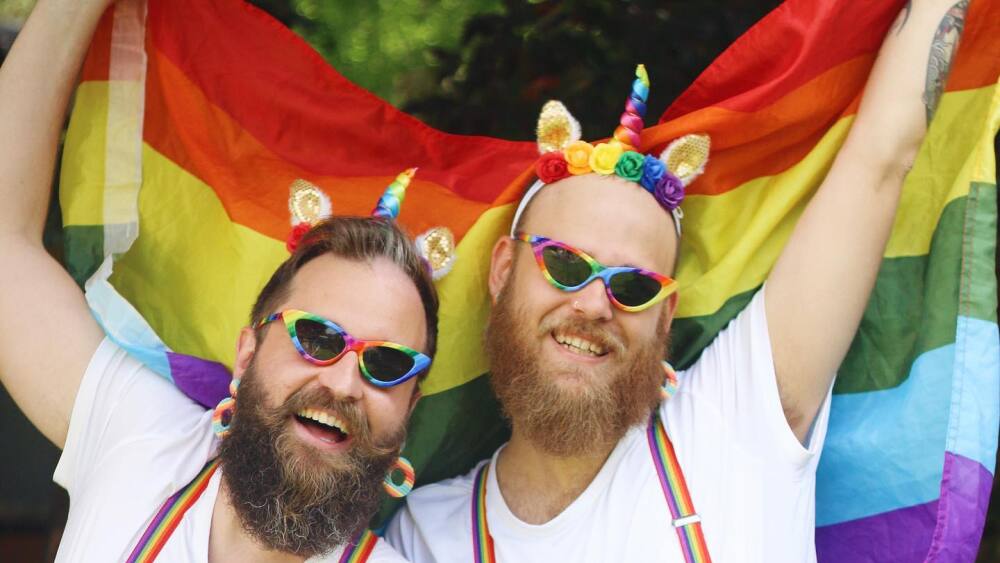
(675, 492)
(170, 515)
(482, 540)
(183, 143)
(360, 548)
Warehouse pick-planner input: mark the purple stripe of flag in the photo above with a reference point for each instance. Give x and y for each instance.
(201, 380)
(905, 535)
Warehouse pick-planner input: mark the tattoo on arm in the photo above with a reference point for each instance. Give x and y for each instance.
(903, 16)
(943, 48)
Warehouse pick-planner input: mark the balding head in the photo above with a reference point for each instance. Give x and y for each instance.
(593, 211)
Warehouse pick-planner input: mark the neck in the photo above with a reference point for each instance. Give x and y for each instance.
(538, 486)
(229, 542)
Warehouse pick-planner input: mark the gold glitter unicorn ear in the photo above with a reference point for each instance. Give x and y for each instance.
(308, 205)
(437, 246)
(686, 157)
(556, 127)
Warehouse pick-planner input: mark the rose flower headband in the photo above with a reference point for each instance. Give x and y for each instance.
(565, 155)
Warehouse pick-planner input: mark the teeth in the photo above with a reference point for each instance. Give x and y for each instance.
(324, 417)
(580, 345)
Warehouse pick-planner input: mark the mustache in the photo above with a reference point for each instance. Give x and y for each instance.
(599, 332)
(348, 411)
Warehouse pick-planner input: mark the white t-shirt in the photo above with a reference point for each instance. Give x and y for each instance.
(750, 479)
(133, 441)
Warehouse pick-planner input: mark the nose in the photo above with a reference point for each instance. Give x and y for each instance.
(343, 377)
(592, 301)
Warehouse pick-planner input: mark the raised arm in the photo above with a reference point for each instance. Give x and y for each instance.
(818, 289)
(47, 334)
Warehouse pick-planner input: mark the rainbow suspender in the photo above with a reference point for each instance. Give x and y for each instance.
(169, 516)
(685, 520)
(482, 541)
(173, 510)
(360, 548)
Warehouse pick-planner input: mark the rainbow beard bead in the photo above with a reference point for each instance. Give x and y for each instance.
(388, 205)
(631, 120)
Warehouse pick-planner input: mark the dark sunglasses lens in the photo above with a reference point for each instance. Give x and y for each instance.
(318, 340)
(633, 289)
(564, 266)
(387, 364)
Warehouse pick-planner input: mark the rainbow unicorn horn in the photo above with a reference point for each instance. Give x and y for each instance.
(631, 121)
(388, 205)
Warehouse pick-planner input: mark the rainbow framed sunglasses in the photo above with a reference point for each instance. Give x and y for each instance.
(570, 269)
(322, 342)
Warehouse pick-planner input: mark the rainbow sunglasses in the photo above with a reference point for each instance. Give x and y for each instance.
(570, 269)
(322, 342)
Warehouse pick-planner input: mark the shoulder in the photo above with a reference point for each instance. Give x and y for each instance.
(434, 517)
(441, 498)
(744, 341)
(384, 553)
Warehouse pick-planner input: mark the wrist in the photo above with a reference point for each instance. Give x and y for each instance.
(76, 11)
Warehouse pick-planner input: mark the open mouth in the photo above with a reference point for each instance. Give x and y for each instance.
(323, 425)
(579, 345)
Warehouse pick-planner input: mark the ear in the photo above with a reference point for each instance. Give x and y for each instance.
(556, 127)
(307, 203)
(501, 263)
(246, 345)
(437, 247)
(686, 157)
(417, 395)
(669, 309)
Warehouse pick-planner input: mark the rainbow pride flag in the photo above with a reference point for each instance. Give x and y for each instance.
(193, 118)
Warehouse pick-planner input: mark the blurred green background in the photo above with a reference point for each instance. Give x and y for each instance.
(465, 66)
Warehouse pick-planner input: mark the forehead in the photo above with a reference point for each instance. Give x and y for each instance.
(372, 300)
(614, 220)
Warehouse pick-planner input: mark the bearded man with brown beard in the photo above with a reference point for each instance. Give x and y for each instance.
(289, 470)
(614, 458)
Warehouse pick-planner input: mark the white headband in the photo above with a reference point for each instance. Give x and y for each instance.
(537, 187)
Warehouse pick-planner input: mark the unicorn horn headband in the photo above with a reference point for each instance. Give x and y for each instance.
(563, 154)
(309, 205)
(388, 205)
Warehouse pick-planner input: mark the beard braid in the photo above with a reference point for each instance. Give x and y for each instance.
(570, 421)
(289, 496)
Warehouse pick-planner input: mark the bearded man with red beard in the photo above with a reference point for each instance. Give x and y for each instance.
(614, 458)
(329, 365)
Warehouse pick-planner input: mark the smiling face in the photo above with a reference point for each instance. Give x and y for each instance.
(310, 444)
(371, 301)
(572, 371)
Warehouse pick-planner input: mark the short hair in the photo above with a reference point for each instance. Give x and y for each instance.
(354, 238)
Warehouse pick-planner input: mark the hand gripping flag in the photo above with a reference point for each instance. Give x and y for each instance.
(183, 143)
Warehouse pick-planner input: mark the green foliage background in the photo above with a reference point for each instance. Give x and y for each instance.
(487, 66)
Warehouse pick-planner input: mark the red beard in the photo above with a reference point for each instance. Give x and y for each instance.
(588, 417)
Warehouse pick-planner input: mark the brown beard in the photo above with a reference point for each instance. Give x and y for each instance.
(589, 417)
(289, 496)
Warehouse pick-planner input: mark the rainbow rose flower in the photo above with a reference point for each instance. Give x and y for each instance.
(653, 169)
(630, 166)
(577, 156)
(551, 167)
(605, 157)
